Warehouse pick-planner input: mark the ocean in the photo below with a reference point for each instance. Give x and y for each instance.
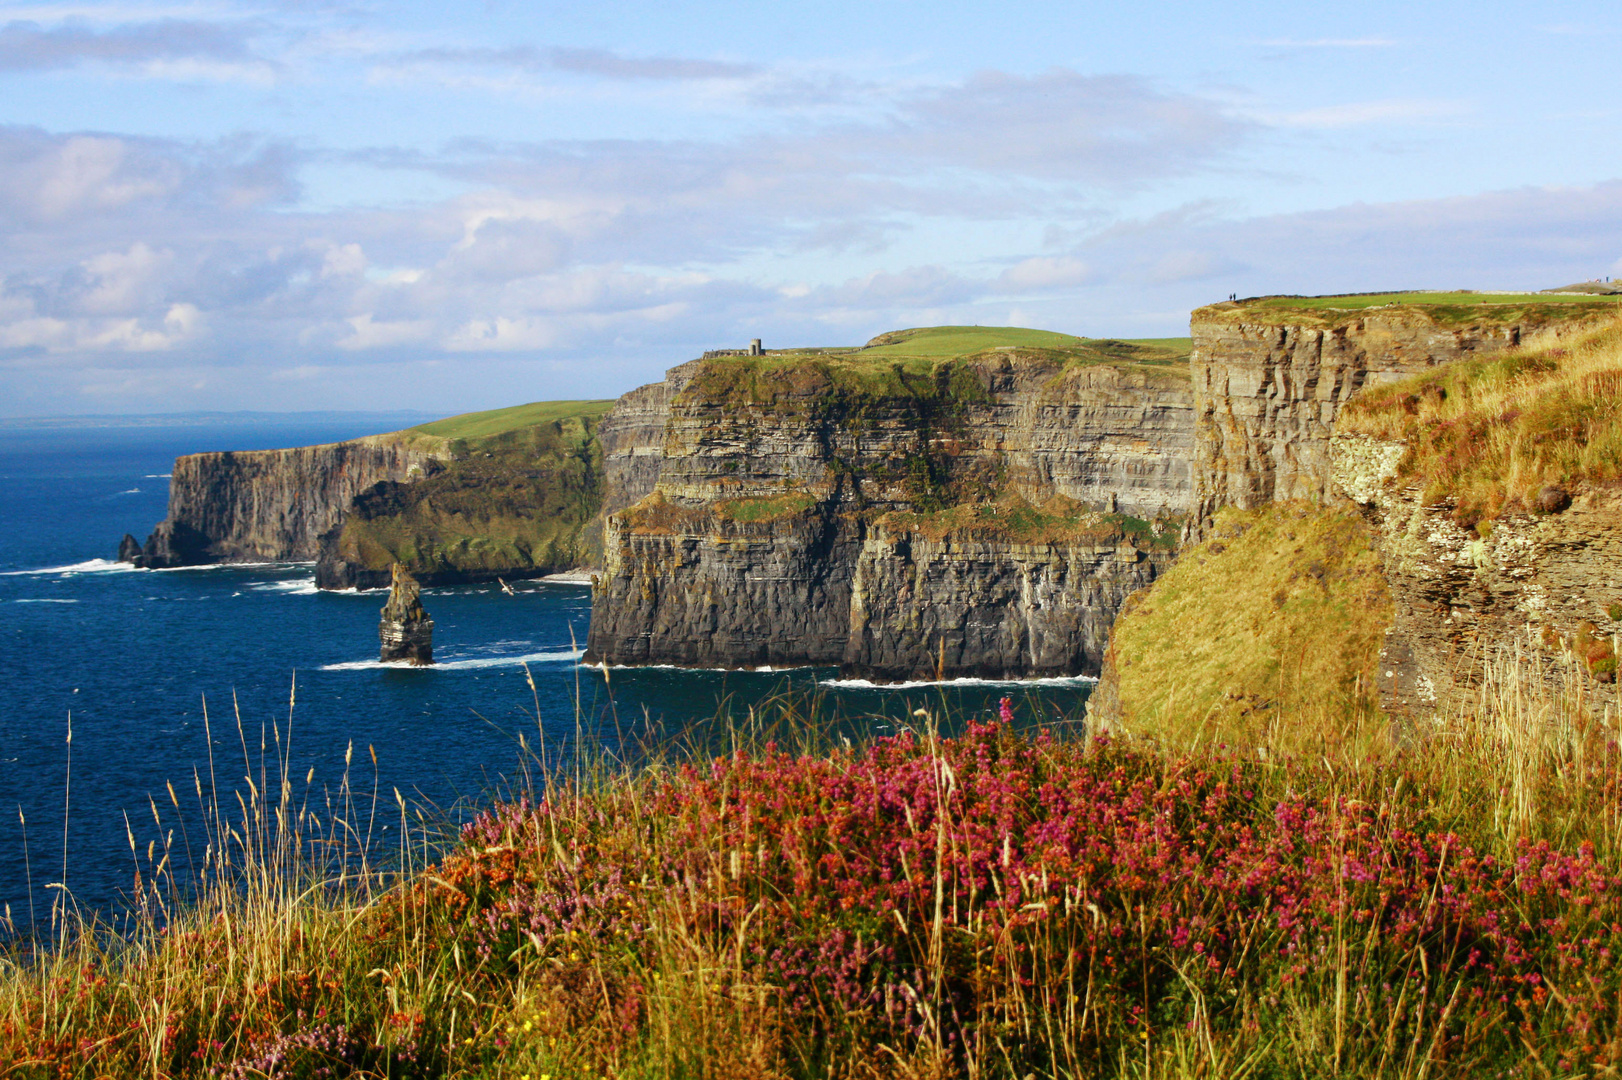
(131, 659)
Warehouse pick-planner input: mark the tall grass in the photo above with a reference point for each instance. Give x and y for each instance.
(1491, 432)
(994, 904)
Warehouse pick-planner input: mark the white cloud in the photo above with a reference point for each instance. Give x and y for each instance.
(1362, 113)
(366, 334)
(1046, 272)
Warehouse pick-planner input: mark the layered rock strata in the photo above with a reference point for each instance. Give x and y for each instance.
(405, 631)
(1268, 386)
(808, 513)
(270, 505)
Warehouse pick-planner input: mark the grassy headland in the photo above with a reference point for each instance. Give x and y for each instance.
(514, 496)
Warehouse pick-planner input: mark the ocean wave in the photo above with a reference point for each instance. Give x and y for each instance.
(45, 601)
(564, 656)
(157, 476)
(89, 566)
(865, 684)
(295, 587)
(128, 491)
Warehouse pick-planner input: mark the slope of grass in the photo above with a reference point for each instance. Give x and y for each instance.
(513, 503)
(1277, 616)
(1490, 432)
(480, 425)
(946, 341)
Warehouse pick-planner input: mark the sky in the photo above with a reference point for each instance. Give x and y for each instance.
(293, 204)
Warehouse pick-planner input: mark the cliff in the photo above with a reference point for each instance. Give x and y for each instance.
(269, 505)
(506, 492)
(900, 510)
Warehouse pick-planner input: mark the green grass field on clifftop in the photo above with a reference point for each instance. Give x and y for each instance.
(490, 422)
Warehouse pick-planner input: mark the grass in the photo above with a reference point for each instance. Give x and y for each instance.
(482, 425)
(1448, 309)
(1489, 433)
(993, 905)
(1277, 615)
(1461, 297)
(950, 341)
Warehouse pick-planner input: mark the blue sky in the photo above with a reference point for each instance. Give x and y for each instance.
(451, 206)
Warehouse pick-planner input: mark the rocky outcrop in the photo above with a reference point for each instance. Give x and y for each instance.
(813, 512)
(1526, 579)
(1268, 386)
(405, 630)
(270, 505)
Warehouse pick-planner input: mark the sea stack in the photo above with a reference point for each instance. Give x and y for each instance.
(406, 631)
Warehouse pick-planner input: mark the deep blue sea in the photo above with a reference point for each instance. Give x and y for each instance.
(133, 655)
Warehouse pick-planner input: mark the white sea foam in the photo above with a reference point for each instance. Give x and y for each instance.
(295, 586)
(45, 601)
(90, 566)
(865, 684)
(766, 670)
(128, 491)
(157, 476)
(563, 656)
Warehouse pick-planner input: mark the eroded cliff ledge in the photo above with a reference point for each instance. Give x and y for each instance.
(901, 510)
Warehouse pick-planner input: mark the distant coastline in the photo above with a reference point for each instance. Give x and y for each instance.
(187, 419)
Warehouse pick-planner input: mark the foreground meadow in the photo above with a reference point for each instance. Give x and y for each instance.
(999, 903)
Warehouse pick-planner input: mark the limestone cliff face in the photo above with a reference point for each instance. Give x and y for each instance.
(803, 514)
(632, 437)
(1457, 597)
(989, 607)
(1266, 394)
(263, 505)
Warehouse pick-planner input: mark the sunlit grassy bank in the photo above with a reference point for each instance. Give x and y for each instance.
(996, 904)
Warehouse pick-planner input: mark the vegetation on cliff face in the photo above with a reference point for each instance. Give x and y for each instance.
(515, 498)
(1490, 434)
(1013, 519)
(1276, 617)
